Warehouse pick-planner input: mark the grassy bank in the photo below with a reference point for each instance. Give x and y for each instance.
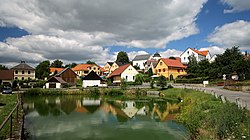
(7, 104)
(207, 118)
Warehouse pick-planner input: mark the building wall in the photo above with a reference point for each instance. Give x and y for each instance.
(58, 85)
(117, 79)
(140, 63)
(113, 67)
(24, 74)
(163, 69)
(90, 83)
(107, 67)
(94, 68)
(184, 56)
(69, 76)
(129, 74)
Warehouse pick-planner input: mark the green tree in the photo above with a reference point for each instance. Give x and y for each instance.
(90, 62)
(72, 65)
(43, 69)
(2, 67)
(162, 81)
(139, 79)
(122, 57)
(150, 72)
(57, 64)
(124, 84)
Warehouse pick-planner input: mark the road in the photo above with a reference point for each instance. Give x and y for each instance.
(242, 99)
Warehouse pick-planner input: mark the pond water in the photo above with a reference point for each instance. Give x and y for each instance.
(85, 118)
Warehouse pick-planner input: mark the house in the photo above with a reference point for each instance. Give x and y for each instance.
(199, 55)
(85, 69)
(213, 58)
(6, 77)
(151, 63)
(23, 71)
(91, 80)
(107, 66)
(55, 82)
(54, 71)
(115, 66)
(140, 60)
(126, 72)
(170, 68)
(68, 75)
(130, 109)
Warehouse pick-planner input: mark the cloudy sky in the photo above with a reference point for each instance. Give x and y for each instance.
(96, 30)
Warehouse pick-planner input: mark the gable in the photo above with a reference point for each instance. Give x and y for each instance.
(160, 64)
(130, 70)
(67, 72)
(92, 76)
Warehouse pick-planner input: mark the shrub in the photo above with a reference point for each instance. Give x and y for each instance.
(113, 92)
(94, 92)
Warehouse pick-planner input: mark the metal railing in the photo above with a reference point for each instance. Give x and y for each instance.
(10, 116)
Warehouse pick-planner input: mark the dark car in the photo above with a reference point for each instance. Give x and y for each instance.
(7, 90)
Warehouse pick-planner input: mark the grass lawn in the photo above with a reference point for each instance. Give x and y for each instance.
(7, 103)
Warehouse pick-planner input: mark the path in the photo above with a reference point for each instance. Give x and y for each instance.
(240, 98)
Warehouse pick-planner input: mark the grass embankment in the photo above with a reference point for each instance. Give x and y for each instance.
(7, 103)
(207, 118)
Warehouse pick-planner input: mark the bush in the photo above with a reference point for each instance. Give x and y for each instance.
(113, 92)
(94, 92)
(124, 84)
(198, 80)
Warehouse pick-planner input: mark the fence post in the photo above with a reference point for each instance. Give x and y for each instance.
(10, 126)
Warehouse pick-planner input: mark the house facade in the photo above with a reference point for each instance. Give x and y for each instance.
(6, 77)
(151, 63)
(115, 66)
(169, 68)
(85, 69)
(23, 71)
(68, 75)
(126, 72)
(199, 55)
(140, 60)
(91, 80)
(107, 66)
(55, 82)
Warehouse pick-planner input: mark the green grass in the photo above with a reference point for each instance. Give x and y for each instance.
(10, 101)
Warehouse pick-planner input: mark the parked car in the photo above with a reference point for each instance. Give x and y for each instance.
(7, 90)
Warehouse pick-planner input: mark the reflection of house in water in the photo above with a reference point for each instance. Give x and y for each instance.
(130, 110)
(87, 105)
(142, 111)
(167, 114)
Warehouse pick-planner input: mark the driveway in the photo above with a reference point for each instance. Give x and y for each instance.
(242, 99)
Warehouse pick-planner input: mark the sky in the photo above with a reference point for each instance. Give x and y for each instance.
(96, 30)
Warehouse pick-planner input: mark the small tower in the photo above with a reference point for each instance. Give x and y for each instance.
(156, 56)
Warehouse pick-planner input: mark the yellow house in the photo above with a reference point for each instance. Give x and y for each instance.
(85, 69)
(115, 66)
(23, 71)
(168, 67)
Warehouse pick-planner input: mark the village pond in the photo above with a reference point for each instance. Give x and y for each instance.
(80, 117)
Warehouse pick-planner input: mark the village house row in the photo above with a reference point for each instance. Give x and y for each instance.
(93, 74)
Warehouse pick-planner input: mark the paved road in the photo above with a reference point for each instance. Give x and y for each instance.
(240, 98)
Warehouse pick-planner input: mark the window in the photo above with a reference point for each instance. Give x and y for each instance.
(133, 77)
(16, 72)
(22, 78)
(160, 63)
(188, 52)
(94, 68)
(28, 72)
(126, 77)
(16, 78)
(98, 68)
(181, 70)
(159, 70)
(164, 70)
(178, 71)
(23, 72)
(184, 58)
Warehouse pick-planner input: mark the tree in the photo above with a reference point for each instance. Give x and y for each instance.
(43, 69)
(173, 58)
(122, 57)
(150, 72)
(139, 79)
(124, 84)
(72, 65)
(2, 67)
(57, 64)
(162, 81)
(90, 62)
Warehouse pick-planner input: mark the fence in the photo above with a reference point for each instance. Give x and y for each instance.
(11, 115)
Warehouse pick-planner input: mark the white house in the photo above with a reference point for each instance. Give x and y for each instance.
(140, 60)
(55, 82)
(130, 110)
(199, 55)
(126, 72)
(91, 80)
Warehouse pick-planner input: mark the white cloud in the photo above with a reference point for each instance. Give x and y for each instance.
(141, 23)
(213, 50)
(236, 5)
(232, 34)
(170, 52)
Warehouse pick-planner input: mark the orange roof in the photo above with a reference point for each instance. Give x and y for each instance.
(119, 70)
(52, 69)
(173, 63)
(81, 67)
(102, 69)
(203, 53)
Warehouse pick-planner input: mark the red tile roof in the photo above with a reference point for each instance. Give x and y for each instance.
(173, 63)
(203, 53)
(6, 75)
(119, 70)
(52, 69)
(81, 67)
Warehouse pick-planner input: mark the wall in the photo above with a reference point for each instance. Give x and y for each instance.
(90, 83)
(116, 79)
(20, 76)
(113, 68)
(140, 63)
(58, 85)
(129, 74)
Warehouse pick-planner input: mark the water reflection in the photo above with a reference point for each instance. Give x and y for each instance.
(159, 110)
(78, 117)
